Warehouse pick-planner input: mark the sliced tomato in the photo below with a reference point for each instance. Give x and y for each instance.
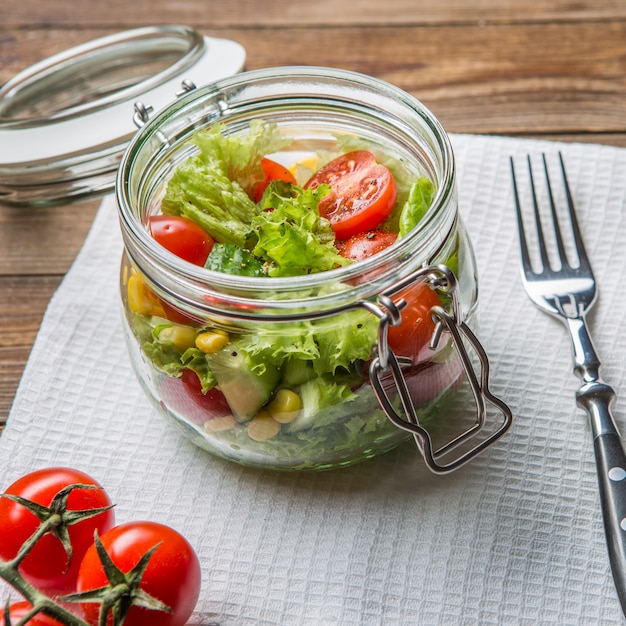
(414, 333)
(181, 236)
(364, 245)
(273, 171)
(363, 193)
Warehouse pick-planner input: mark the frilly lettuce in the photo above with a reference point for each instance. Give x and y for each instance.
(238, 156)
(165, 355)
(212, 187)
(291, 234)
(331, 345)
(202, 193)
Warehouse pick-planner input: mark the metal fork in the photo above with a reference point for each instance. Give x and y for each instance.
(568, 292)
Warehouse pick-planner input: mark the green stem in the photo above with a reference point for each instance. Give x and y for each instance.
(29, 544)
(40, 601)
(9, 571)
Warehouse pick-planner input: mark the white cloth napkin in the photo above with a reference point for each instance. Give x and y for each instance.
(514, 538)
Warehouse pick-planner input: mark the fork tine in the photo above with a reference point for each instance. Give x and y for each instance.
(578, 238)
(526, 265)
(543, 252)
(555, 220)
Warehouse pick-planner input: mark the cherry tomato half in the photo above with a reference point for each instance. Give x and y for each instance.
(19, 610)
(46, 566)
(363, 193)
(273, 171)
(413, 335)
(364, 245)
(181, 236)
(172, 575)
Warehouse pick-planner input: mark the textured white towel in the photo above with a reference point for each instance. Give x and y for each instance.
(514, 538)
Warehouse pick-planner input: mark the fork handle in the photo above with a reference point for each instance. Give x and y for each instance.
(611, 466)
(596, 397)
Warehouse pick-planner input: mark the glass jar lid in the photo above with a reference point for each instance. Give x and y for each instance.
(65, 121)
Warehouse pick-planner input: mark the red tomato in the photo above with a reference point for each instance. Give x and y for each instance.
(364, 245)
(363, 193)
(184, 395)
(272, 171)
(172, 575)
(46, 566)
(416, 330)
(19, 610)
(182, 237)
(174, 314)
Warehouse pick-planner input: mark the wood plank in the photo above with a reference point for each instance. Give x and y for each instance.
(276, 13)
(541, 78)
(12, 363)
(43, 240)
(23, 302)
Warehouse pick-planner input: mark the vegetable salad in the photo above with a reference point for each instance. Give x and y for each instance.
(285, 394)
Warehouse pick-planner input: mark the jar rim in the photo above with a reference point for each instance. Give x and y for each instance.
(141, 245)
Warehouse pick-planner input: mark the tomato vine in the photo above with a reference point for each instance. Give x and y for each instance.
(108, 586)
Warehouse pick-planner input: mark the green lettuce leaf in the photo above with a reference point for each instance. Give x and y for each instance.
(207, 196)
(230, 259)
(213, 187)
(343, 340)
(165, 356)
(195, 360)
(317, 395)
(238, 155)
(332, 346)
(292, 235)
(418, 203)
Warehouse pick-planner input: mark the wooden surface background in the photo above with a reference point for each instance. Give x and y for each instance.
(542, 68)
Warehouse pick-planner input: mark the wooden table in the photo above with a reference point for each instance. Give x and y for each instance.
(542, 68)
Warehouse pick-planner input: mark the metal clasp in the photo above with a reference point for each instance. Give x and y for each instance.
(142, 112)
(447, 320)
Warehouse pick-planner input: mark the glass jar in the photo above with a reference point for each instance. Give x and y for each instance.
(304, 372)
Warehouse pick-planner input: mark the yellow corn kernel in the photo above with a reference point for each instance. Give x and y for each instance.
(140, 299)
(182, 337)
(263, 427)
(211, 341)
(219, 424)
(285, 406)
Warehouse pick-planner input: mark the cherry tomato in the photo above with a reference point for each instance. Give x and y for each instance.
(19, 610)
(364, 245)
(413, 335)
(46, 566)
(171, 576)
(272, 171)
(363, 193)
(182, 237)
(184, 395)
(174, 314)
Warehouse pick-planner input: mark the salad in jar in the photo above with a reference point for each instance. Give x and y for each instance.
(296, 393)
